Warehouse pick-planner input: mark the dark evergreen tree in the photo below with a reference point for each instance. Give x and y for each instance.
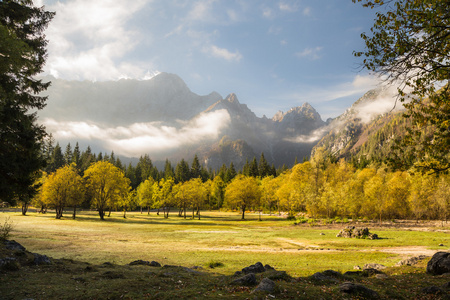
(145, 164)
(195, 168)
(76, 156)
(222, 172)
(182, 173)
(68, 155)
(253, 170)
(22, 57)
(100, 157)
(86, 159)
(231, 173)
(168, 170)
(130, 173)
(273, 171)
(56, 160)
(264, 168)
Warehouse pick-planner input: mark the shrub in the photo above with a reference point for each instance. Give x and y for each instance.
(5, 229)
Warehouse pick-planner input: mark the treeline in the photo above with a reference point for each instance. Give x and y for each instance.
(180, 172)
(318, 188)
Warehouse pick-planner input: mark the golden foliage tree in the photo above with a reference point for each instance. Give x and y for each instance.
(108, 185)
(242, 192)
(63, 188)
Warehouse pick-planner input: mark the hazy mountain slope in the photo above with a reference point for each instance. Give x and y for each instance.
(163, 98)
(365, 133)
(163, 118)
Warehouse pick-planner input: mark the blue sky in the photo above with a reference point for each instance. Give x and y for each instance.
(273, 55)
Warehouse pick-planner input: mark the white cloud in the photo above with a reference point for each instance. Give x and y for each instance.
(139, 138)
(267, 13)
(288, 7)
(88, 39)
(223, 53)
(311, 53)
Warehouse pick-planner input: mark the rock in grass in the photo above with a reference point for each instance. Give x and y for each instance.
(246, 280)
(374, 266)
(139, 262)
(14, 246)
(155, 264)
(439, 264)
(40, 259)
(113, 275)
(411, 261)
(9, 264)
(358, 289)
(266, 285)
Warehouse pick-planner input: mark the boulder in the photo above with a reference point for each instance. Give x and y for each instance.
(439, 264)
(40, 259)
(139, 262)
(256, 268)
(359, 233)
(374, 266)
(14, 246)
(246, 280)
(9, 264)
(266, 286)
(411, 261)
(155, 264)
(358, 289)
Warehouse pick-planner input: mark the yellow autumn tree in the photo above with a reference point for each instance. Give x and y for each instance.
(144, 194)
(63, 188)
(242, 192)
(107, 184)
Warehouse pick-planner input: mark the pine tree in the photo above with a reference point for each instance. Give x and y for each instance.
(182, 173)
(195, 168)
(168, 170)
(253, 170)
(22, 57)
(76, 156)
(68, 155)
(264, 168)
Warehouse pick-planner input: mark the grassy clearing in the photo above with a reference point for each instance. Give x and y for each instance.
(218, 236)
(218, 240)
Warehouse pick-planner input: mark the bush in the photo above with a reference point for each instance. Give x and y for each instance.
(5, 229)
(290, 218)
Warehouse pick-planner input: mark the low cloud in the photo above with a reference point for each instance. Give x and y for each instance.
(314, 136)
(385, 102)
(140, 138)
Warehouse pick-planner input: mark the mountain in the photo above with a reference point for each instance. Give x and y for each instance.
(163, 118)
(368, 129)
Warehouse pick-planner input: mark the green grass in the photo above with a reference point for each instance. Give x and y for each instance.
(218, 236)
(219, 239)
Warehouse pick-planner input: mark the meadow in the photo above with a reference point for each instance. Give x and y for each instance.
(218, 237)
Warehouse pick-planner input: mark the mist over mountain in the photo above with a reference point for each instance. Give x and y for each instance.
(163, 118)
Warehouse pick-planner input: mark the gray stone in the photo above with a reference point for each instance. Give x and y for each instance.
(139, 262)
(15, 246)
(358, 289)
(9, 264)
(155, 264)
(374, 266)
(266, 285)
(40, 259)
(411, 261)
(322, 277)
(439, 264)
(256, 268)
(246, 280)
(359, 233)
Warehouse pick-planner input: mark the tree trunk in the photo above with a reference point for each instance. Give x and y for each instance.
(193, 212)
(141, 210)
(101, 213)
(24, 209)
(260, 216)
(124, 213)
(198, 213)
(184, 208)
(157, 213)
(74, 212)
(243, 212)
(148, 210)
